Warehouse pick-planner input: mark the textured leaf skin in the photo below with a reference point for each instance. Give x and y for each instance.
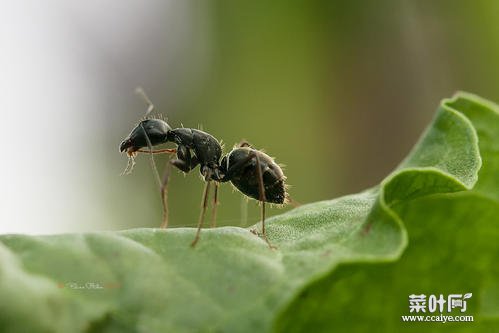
(346, 264)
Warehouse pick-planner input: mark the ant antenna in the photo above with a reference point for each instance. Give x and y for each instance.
(150, 107)
(131, 157)
(162, 183)
(151, 154)
(133, 151)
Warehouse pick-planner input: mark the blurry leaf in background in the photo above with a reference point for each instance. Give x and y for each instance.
(337, 261)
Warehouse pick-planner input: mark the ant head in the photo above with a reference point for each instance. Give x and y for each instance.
(153, 130)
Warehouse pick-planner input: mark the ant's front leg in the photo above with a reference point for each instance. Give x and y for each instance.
(183, 162)
(158, 151)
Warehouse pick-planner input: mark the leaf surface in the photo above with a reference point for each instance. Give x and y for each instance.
(346, 258)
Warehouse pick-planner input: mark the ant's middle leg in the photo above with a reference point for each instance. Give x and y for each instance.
(214, 207)
(204, 204)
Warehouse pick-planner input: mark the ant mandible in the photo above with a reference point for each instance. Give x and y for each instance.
(252, 172)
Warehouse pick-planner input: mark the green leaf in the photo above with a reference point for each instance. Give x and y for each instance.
(452, 250)
(337, 262)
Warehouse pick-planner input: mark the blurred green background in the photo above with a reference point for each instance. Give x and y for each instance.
(338, 91)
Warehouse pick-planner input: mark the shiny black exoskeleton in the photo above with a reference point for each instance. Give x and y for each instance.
(240, 168)
(197, 147)
(157, 130)
(251, 171)
(193, 146)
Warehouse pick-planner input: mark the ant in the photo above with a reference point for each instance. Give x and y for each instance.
(251, 171)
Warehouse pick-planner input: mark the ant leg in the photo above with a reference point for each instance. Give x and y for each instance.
(214, 208)
(261, 190)
(261, 187)
(181, 165)
(164, 194)
(159, 151)
(184, 161)
(204, 204)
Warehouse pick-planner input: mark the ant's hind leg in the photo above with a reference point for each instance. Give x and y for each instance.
(263, 199)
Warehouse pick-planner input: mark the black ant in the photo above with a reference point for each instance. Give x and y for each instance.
(251, 171)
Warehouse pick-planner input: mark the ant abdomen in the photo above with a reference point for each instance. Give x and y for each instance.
(240, 166)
